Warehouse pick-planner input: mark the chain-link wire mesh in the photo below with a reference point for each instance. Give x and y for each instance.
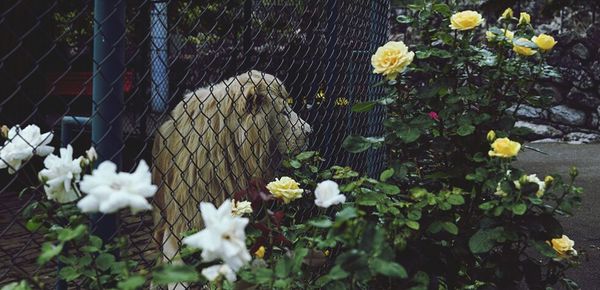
(212, 93)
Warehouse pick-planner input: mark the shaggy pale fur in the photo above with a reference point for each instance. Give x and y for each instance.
(217, 139)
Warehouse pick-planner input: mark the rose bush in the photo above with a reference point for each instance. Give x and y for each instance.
(450, 212)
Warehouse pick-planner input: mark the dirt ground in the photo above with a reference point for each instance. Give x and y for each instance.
(584, 227)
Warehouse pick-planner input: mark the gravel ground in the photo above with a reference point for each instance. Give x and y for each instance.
(584, 227)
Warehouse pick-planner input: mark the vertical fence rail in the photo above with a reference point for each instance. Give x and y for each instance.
(107, 111)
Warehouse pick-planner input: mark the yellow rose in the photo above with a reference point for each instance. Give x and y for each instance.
(391, 59)
(260, 253)
(240, 208)
(564, 246)
(465, 20)
(507, 14)
(491, 136)
(524, 18)
(504, 147)
(285, 188)
(523, 50)
(544, 42)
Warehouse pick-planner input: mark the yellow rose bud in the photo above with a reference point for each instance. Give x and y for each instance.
(4, 131)
(524, 18)
(523, 50)
(490, 36)
(505, 148)
(509, 34)
(285, 188)
(491, 136)
(326, 253)
(544, 42)
(260, 253)
(564, 246)
(507, 14)
(465, 20)
(548, 180)
(391, 59)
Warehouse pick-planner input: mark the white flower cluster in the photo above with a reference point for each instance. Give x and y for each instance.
(22, 144)
(222, 239)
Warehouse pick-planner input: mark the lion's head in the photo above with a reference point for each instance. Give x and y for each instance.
(216, 140)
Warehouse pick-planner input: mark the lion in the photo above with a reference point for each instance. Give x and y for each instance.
(216, 140)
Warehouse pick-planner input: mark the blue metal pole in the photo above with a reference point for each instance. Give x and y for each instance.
(107, 96)
(159, 67)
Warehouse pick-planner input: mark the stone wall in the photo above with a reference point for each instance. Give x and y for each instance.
(575, 113)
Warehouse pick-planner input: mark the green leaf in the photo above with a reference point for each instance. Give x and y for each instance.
(104, 261)
(69, 273)
(68, 234)
(346, 214)
(413, 225)
(264, 275)
(487, 205)
(388, 268)
(386, 174)
(49, 251)
(519, 208)
(408, 134)
(295, 164)
(404, 19)
(323, 222)
(465, 130)
(282, 283)
(456, 199)
(22, 285)
(388, 189)
(363, 107)
(306, 155)
(544, 248)
(132, 283)
(442, 8)
(369, 198)
(484, 240)
(283, 267)
(450, 227)
(170, 273)
(299, 255)
(524, 43)
(357, 144)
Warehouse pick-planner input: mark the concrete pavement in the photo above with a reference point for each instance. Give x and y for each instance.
(584, 227)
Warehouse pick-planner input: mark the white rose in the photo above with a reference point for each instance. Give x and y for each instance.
(327, 194)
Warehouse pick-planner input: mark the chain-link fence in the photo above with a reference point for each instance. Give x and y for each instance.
(213, 93)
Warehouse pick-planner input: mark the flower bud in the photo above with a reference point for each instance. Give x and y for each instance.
(4, 131)
(260, 253)
(91, 154)
(573, 172)
(507, 14)
(491, 136)
(524, 18)
(548, 180)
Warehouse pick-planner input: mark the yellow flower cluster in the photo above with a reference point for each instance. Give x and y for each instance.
(285, 188)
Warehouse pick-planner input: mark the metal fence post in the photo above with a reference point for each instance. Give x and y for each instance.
(159, 60)
(109, 69)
